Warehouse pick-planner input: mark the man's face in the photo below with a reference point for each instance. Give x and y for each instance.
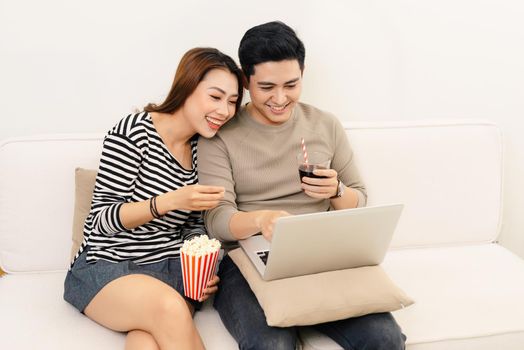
(274, 89)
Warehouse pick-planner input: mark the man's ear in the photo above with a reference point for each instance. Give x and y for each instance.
(245, 81)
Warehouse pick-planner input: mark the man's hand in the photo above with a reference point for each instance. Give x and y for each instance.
(265, 221)
(321, 188)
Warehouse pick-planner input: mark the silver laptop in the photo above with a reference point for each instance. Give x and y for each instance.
(325, 241)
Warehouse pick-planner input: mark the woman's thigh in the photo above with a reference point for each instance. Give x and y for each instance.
(132, 302)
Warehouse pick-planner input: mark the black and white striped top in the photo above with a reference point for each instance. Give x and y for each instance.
(135, 165)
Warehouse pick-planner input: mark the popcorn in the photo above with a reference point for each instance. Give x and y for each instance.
(198, 258)
(200, 245)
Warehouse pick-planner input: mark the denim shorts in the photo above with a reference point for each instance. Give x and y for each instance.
(84, 280)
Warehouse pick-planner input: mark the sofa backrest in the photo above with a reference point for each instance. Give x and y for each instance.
(37, 188)
(448, 175)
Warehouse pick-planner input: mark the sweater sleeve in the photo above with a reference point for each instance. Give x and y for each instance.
(214, 168)
(115, 181)
(344, 163)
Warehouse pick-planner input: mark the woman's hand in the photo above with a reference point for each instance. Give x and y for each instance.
(212, 287)
(191, 197)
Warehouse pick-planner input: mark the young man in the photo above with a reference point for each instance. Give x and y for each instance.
(254, 158)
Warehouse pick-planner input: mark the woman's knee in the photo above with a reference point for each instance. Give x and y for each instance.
(171, 308)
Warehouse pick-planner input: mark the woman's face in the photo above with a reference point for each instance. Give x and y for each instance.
(212, 103)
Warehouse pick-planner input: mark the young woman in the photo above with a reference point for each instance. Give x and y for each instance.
(147, 201)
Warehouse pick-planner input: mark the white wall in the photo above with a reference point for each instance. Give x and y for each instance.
(79, 66)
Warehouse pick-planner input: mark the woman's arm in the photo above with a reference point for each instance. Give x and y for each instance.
(191, 197)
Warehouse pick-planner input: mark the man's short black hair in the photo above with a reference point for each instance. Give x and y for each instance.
(272, 41)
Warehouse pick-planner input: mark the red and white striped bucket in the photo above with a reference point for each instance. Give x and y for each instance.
(197, 270)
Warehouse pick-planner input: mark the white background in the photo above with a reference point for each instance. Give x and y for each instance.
(79, 66)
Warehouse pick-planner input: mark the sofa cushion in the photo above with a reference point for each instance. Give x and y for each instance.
(322, 297)
(45, 321)
(35, 235)
(468, 297)
(436, 171)
(84, 186)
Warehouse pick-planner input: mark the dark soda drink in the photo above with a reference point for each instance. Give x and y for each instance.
(307, 170)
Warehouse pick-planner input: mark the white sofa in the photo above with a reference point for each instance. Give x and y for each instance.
(469, 291)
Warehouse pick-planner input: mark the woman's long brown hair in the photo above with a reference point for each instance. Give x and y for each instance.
(191, 70)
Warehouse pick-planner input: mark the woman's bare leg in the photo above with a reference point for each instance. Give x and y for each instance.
(140, 340)
(145, 303)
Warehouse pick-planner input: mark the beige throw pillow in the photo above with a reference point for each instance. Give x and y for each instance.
(322, 297)
(84, 186)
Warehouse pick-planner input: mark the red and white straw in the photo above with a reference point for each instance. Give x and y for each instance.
(304, 151)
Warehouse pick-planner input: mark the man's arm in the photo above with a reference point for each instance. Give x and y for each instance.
(348, 200)
(343, 173)
(214, 168)
(355, 194)
(225, 221)
(328, 187)
(246, 224)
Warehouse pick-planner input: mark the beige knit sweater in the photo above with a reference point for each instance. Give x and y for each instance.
(257, 165)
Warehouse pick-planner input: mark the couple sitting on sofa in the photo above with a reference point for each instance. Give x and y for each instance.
(148, 199)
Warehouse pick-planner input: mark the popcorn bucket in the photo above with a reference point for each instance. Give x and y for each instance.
(197, 269)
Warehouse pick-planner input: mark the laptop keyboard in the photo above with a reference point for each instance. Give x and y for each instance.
(263, 254)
